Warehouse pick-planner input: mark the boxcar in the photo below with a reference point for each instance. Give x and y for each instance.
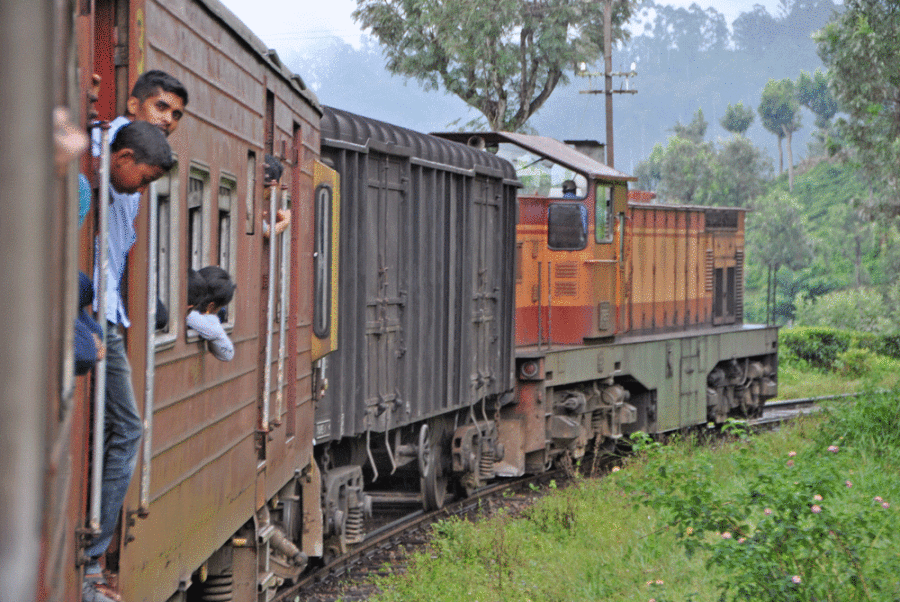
(426, 295)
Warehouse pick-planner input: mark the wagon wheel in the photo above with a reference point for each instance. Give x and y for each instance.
(433, 480)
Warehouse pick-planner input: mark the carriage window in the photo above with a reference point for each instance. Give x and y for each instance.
(166, 257)
(322, 262)
(196, 194)
(567, 227)
(226, 250)
(603, 222)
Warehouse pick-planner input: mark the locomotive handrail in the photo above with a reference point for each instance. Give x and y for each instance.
(150, 366)
(100, 371)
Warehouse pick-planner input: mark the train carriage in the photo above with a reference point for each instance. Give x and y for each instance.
(426, 297)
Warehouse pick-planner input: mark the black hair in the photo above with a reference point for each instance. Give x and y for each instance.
(568, 186)
(148, 143)
(150, 82)
(272, 170)
(221, 287)
(197, 289)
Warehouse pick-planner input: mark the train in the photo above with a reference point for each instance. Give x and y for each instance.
(441, 312)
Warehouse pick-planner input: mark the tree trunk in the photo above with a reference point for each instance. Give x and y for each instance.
(790, 156)
(780, 158)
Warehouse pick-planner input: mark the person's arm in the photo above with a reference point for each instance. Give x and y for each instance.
(209, 327)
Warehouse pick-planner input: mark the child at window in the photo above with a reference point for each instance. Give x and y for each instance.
(209, 290)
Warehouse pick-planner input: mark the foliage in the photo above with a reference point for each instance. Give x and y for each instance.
(861, 49)
(861, 309)
(777, 234)
(739, 173)
(815, 522)
(695, 131)
(779, 112)
(686, 171)
(813, 93)
(818, 346)
(737, 118)
(855, 363)
(503, 57)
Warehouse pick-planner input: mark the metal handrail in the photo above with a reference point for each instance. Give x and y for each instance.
(101, 293)
(282, 327)
(150, 366)
(270, 311)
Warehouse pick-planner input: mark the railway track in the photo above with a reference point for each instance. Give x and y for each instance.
(347, 577)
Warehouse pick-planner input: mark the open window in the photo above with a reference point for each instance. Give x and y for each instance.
(197, 193)
(167, 273)
(603, 214)
(227, 247)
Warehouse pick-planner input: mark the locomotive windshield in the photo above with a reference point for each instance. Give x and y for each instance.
(541, 176)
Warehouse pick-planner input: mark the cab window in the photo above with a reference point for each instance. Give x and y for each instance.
(603, 214)
(567, 227)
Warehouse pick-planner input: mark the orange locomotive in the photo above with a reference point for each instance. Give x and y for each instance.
(629, 315)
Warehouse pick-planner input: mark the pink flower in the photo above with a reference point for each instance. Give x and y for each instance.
(791, 454)
(833, 449)
(885, 505)
(616, 469)
(796, 579)
(790, 463)
(816, 508)
(767, 511)
(726, 535)
(817, 497)
(742, 540)
(659, 582)
(878, 499)
(652, 600)
(848, 484)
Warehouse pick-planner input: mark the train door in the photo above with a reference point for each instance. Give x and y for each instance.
(385, 288)
(604, 263)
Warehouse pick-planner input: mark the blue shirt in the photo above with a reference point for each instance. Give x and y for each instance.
(123, 209)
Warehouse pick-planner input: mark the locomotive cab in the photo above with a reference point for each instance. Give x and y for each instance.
(570, 239)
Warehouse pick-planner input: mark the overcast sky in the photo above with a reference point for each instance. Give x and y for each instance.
(287, 24)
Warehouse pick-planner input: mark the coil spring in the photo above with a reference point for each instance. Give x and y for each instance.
(486, 466)
(218, 588)
(353, 526)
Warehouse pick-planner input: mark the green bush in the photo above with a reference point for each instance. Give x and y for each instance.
(854, 363)
(818, 346)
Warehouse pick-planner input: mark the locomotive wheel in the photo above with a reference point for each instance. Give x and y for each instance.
(433, 480)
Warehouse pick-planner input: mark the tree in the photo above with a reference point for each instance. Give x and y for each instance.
(686, 172)
(695, 131)
(813, 93)
(737, 119)
(503, 57)
(861, 49)
(739, 173)
(779, 111)
(777, 237)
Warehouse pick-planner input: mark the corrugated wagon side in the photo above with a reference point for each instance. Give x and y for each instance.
(426, 291)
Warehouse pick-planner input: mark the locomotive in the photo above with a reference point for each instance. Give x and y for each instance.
(439, 314)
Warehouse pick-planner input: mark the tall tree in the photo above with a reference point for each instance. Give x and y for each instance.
(737, 119)
(695, 131)
(861, 49)
(779, 111)
(503, 57)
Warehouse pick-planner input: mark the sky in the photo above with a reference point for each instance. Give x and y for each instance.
(288, 24)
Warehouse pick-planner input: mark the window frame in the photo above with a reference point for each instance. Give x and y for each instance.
(167, 338)
(560, 205)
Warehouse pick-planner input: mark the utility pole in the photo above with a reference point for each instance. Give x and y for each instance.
(608, 75)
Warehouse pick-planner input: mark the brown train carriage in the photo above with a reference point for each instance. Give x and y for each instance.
(226, 462)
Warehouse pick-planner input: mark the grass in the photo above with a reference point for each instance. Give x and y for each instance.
(797, 379)
(623, 538)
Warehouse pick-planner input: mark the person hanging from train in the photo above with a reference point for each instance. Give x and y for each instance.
(271, 178)
(70, 142)
(209, 291)
(139, 155)
(159, 99)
